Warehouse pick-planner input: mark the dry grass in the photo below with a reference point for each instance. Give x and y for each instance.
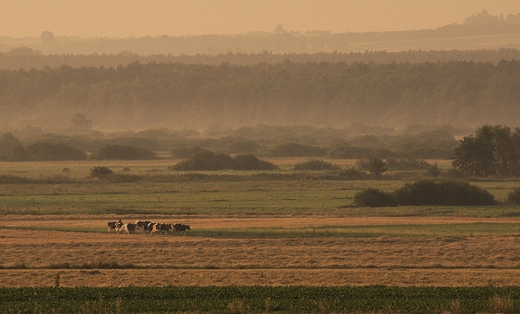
(158, 260)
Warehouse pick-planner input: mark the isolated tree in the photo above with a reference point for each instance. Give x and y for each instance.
(80, 121)
(279, 29)
(493, 150)
(47, 37)
(376, 167)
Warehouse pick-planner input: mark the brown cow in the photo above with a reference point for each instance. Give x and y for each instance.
(181, 228)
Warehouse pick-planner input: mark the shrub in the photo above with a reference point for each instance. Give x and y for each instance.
(11, 149)
(100, 171)
(513, 197)
(251, 162)
(314, 164)
(433, 171)
(454, 193)
(206, 160)
(352, 173)
(296, 150)
(455, 173)
(122, 152)
(372, 197)
(407, 163)
(377, 167)
(45, 151)
(349, 152)
(184, 152)
(242, 147)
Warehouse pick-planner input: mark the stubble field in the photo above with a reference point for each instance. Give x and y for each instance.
(78, 249)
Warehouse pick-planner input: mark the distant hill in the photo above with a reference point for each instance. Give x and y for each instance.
(481, 31)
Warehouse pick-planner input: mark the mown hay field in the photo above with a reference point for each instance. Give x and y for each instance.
(92, 256)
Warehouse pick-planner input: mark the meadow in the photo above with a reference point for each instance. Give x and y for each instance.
(248, 230)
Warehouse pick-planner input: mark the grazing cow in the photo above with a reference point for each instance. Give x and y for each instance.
(181, 228)
(165, 228)
(142, 224)
(128, 228)
(67, 170)
(149, 227)
(160, 227)
(112, 225)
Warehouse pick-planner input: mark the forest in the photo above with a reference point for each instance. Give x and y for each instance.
(27, 58)
(198, 96)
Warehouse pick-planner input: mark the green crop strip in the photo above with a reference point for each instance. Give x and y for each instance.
(261, 299)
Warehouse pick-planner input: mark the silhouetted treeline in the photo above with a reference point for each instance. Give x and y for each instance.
(355, 142)
(26, 58)
(176, 96)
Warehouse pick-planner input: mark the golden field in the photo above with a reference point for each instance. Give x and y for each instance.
(33, 257)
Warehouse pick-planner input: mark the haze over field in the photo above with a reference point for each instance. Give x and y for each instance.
(130, 65)
(123, 18)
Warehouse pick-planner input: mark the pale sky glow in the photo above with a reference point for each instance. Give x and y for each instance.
(123, 18)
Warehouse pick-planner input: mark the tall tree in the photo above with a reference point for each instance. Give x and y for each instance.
(493, 150)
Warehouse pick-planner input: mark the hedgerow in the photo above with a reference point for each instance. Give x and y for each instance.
(426, 192)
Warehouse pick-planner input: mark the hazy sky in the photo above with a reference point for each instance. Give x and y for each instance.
(123, 18)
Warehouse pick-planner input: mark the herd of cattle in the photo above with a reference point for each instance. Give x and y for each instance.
(143, 226)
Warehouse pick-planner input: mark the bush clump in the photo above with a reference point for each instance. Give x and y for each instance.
(513, 197)
(296, 150)
(183, 152)
(122, 152)
(451, 193)
(207, 160)
(373, 197)
(100, 171)
(315, 164)
(352, 173)
(427, 192)
(349, 152)
(47, 151)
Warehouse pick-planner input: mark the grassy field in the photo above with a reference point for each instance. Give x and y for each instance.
(275, 230)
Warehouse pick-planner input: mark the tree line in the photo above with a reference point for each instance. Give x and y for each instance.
(315, 93)
(419, 142)
(27, 58)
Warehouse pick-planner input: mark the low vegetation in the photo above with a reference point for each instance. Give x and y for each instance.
(122, 152)
(258, 299)
(426, 192)
(100, 171)
(315, 164)
(207, 160)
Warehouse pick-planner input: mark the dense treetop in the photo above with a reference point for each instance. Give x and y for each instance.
(175, 95)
